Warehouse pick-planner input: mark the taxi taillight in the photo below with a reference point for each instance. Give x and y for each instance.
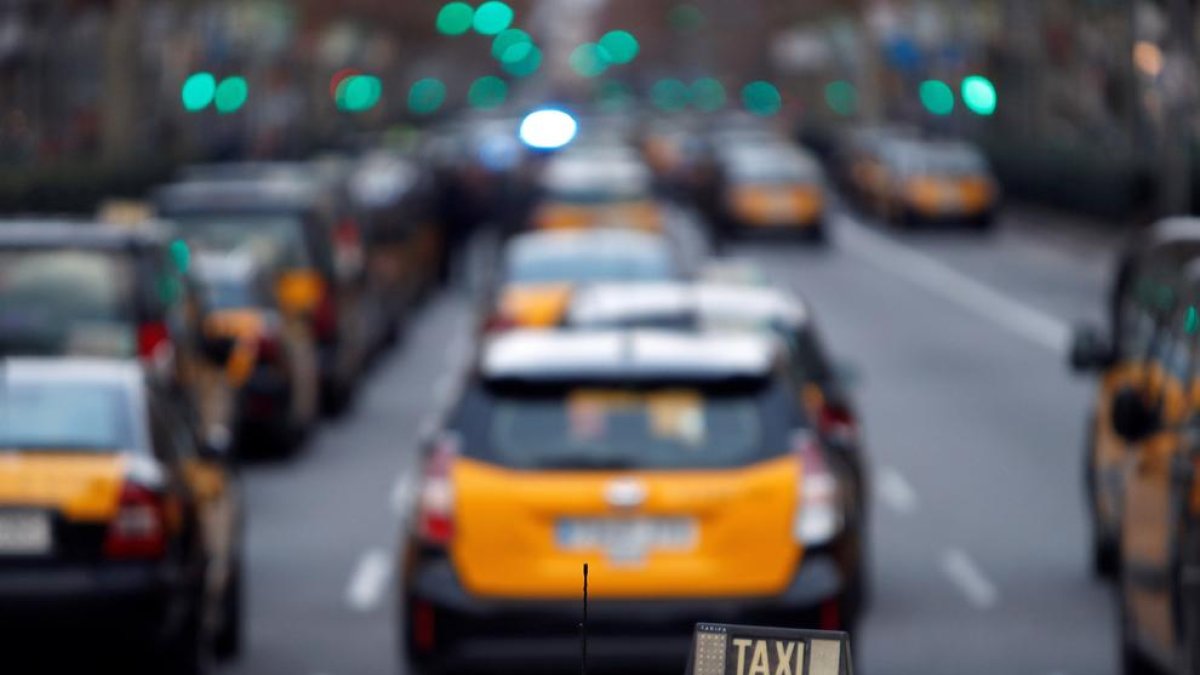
(819, 516)
(153, 338)
(435, 508)
(837, 422)
(138, 530)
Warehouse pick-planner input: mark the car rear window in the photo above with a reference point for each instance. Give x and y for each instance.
(62, 416)
(278, 237)
(650, 264)
(65, 301)
(606, 427)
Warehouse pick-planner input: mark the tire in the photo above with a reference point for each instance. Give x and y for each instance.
(1106, 557)
(227, 644)
(187, 652)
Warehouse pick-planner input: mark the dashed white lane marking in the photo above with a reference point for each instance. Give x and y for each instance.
(402, 493)
(969, 579)
(940, 279)
(369, 580)
(895, 491)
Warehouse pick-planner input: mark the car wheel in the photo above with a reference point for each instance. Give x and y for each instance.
(227, 644)
(1106, 557)
(1133, 661)
(185, 653)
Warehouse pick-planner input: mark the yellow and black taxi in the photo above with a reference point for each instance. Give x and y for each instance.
(1141, 299)
(272, 364)
(119, 528)
(306, 218)
(822, 384)
(1157, 416)
(681, 467)
(920, 182)
(597, 186)
(93, 289)
(540, 270)
(773, 190)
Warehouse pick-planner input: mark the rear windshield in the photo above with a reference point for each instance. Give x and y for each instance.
(230, 293)
(66, 301)
(649, 264)
(61, 416)
(279, 238)
(772, 173)
(606, 427)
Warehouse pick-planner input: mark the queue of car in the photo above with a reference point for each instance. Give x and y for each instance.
(676, 424)
(143, 352)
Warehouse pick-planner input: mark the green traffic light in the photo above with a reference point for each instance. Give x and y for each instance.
(762, 98)
(487, 92)
(937, 97)
(492, 17)
(426, 96)
(511, 45)
(359, 93)
(589, 59)
(523, 66)
(621, 46)
(198, 91)
(841, 97)
(979, 95)
(231, 94)
(455, 18)
(708, 94)
(669, 95)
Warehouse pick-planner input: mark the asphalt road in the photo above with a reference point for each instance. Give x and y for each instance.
(973, 427)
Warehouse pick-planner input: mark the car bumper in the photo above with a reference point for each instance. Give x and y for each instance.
(134, 602)
(446, 626)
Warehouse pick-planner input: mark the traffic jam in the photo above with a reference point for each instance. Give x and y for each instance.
(543, 336)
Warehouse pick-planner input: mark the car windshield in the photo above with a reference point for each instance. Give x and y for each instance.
(66, 301)
(278, 237)
(657, 426)
(643, 264)
(65, 416)
(228, 293)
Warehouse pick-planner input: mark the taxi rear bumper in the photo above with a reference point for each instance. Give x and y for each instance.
(445, 626)
(123, 602)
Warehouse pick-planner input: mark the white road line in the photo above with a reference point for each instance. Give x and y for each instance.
(940, 279)
(402, 493)
(969, 579)
(369, 580)
(895, 491)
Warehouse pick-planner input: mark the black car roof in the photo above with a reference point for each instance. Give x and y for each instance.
(238, 195)
(34, 233)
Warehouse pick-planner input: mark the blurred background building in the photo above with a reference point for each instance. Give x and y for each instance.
(1089, 102)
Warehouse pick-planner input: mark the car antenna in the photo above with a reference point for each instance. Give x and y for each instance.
(583, 636)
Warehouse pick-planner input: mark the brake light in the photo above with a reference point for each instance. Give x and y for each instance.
(819, 515)
(269, 349)
(138, 531)
(498, 323)
(153, 339)
(836, 422)
(435, 510)
(324, 318)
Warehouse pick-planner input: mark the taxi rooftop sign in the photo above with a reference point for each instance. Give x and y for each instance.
(723, 649)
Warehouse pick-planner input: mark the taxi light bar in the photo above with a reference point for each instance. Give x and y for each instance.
(138, 531)
(723, 649)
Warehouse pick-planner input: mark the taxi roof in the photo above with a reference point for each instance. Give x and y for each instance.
(45, 233)
(600, 241)
(715, 305)
(125, 373)
(625, 355)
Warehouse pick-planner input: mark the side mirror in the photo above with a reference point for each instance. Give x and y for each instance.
(1090, 351)
(1132, 417)
(216, 445)
(218, 349)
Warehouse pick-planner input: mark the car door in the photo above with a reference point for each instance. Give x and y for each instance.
(1150, 510)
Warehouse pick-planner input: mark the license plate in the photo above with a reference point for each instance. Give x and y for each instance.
(630, 538)
(25, 534)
